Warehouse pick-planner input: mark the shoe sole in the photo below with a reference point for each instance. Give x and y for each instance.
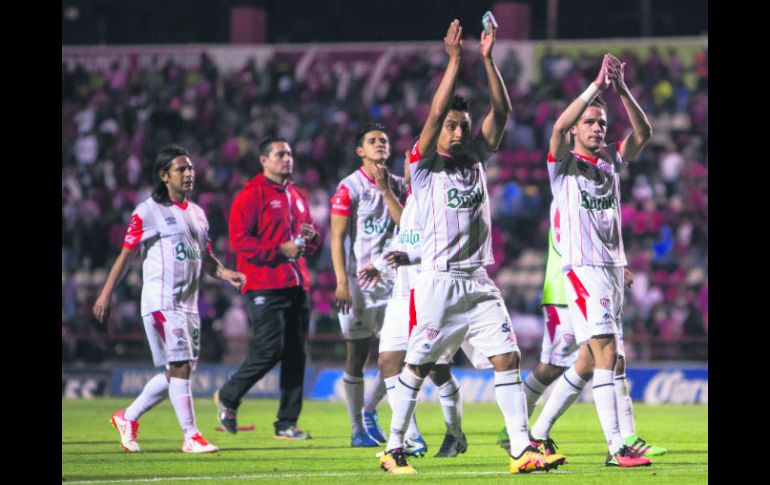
(554, 465)
(200, 452)
(627, 466)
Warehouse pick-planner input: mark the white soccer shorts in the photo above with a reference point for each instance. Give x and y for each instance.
(174, 336)
(367, 310)
(454, 305)
(595, 301)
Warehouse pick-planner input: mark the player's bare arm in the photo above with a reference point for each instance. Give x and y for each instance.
(118, 271)
(342, 298)
(559, 144)
(453, 45)
(493, 127)
(214, 268)
(641, 127)
(382, 180)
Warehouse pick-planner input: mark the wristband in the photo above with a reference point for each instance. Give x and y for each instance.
(590, 93)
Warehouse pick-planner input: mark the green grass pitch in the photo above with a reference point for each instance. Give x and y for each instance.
(91, 452)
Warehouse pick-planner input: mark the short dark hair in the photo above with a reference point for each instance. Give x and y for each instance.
(264, 145)
(599, 103)
(366, 129)
(162, 164)
(458, 103)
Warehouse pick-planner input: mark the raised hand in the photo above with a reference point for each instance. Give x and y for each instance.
(602, 80)
(487, 42)
(453, 42)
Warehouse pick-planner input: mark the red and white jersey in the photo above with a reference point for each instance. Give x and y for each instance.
(369, 222)
(408, 240)
(587, 191)
(453, 204)
(173, 239)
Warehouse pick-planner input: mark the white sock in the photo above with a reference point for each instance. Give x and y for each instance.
(412, 431)
(511, 400)
(375, 395)
(533, 389)
(153, 393)
(625, 408)
(451, 406)
(181, 398)
(354, 396)
(390, 388)
(405, 401)
(565, 392)
(606, 407)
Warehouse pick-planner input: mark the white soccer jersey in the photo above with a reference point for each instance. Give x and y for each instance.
(408, 239)
(369, 222)
(173, 239)
(587, 191)
(453, 207)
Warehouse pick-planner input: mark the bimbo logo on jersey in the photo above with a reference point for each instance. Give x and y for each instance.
(597, 203)
(370, 227)
(183, 252)
(462, 201)
(409, 237)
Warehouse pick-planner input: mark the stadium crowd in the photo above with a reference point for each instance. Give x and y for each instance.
(115, 120)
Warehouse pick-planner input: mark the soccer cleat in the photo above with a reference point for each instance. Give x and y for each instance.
(641, 448)
(452, 446)
(624, 457)
(531, 460)
(361, 439)
(292, 433)
(415, 446)
(394, 462)
(546, 446)
(198, 444)
(372, 425)
(127, 430)
(227, 416)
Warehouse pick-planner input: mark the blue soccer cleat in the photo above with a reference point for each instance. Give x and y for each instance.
(372, 425)
(361, 439)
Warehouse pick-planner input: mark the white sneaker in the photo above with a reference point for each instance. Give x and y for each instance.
(127, 430)
(198, 444)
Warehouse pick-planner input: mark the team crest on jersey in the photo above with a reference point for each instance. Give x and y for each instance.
(604, 166)
(178, 333)
(170, 220)
(431, 333)
(276, 204)
(605, 303)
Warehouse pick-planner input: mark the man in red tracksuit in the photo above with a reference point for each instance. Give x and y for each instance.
(271, 230)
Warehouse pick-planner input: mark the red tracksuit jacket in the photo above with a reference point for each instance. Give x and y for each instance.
(263, 216)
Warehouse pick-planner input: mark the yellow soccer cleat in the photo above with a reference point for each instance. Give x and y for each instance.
(532, 460)
(394, 462)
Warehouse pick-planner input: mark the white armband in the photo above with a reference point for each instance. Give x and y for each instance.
(590, 93)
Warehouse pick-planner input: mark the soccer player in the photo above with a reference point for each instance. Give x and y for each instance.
(365, 209)
(585, 183)
(398, 324)
(271, 230)
(454, 297)
(172, 233)
(558, 355)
